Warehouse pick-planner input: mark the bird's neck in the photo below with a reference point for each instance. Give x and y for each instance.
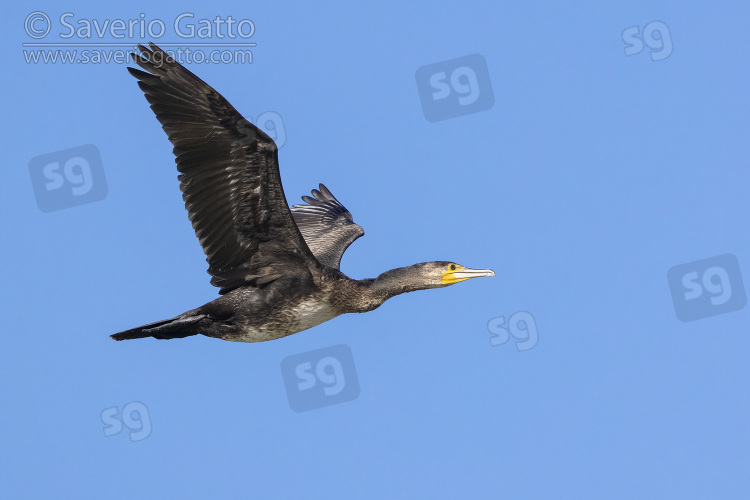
(397, 281)
(371, 293)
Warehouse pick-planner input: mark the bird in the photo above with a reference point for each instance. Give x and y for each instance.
(277, 268)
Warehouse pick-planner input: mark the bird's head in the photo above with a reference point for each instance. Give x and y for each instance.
(450, 272)
(435, 274)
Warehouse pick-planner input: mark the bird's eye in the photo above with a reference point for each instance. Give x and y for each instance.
(453, 267)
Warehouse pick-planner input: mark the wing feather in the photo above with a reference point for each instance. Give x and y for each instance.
(229, 177)
(326, 225)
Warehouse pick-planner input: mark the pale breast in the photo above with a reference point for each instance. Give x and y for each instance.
(311, 313)
(285, 322)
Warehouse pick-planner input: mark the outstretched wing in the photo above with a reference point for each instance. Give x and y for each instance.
(229, 177)
(326, 225)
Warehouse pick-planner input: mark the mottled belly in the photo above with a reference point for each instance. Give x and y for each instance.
(283, 322)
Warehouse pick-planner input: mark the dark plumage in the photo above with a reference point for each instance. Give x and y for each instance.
(277, 269)
(326, 225)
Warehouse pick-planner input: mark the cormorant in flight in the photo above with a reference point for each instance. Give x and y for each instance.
(277, 268)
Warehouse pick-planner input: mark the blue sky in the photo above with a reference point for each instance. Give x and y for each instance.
(580, 174)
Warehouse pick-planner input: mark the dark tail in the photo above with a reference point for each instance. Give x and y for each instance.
(175, 328)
